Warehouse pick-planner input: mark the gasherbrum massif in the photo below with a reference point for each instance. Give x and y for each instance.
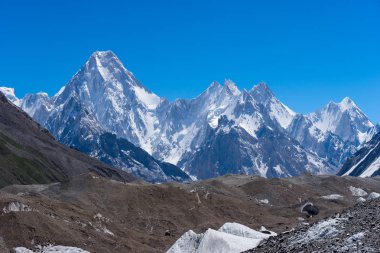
(104, 111)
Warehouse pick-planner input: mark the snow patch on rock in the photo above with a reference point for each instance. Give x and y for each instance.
(264, 201)
(373, 195)
(16, 207)
(324, 229)
(332, 197)
(361, 199)
(357, 192)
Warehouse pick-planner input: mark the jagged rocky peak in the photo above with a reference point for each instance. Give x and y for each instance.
(104, 78)
(107, 63)
(108, 66)
(261, 92)
(335, 116)
(346, 104)
(279, 112)
(215, 86)
(231, 88)
(105, 57)
(335, 111)
(33, 101)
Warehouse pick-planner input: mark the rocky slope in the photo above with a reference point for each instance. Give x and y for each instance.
(365, 162)
(356, 229)
(29, 154)
(99, 215)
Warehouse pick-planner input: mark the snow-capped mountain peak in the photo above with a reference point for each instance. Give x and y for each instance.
(344, 119)
(104, 54)
(108, 65)
(112, 70)
(277, 110)
(214, 88)
(231, 88)
(262, 91)
(10, 95)
(104, 75)
(214, 85)
(347, 103)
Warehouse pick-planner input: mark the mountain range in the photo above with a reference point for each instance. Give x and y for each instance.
(105, 112)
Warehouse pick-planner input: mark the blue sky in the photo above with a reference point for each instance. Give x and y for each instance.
(309, 52)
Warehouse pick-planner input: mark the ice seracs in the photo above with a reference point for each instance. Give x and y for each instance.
(16, 207)
(231, 238)
(51, 249)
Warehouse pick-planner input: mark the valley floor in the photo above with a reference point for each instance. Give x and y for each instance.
(100, 215)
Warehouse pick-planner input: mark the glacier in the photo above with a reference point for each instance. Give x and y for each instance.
(230, 238)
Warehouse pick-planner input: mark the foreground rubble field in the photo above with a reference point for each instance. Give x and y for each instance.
(101, 215)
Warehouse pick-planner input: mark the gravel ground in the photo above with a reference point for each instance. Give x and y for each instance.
(356, 229)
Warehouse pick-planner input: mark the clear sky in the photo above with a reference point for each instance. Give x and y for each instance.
(308, 51)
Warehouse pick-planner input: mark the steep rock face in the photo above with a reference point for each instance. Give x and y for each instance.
(77, 128)
(229, 148)
(325, 144)
(37, 105)
(115, 98)
(365, 162)
(136, 161)
(184, 122)
(247, 139)
(277, 110)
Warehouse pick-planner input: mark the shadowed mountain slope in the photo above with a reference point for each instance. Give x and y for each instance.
(29, 154)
